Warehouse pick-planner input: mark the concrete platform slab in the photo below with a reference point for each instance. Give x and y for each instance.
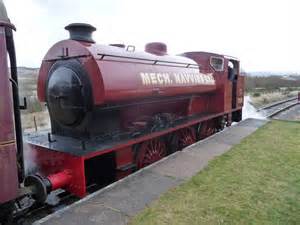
(234, 135)
(208, 150)
(250, 122)
(140, 190)
(189, 162)
(118, 202)
(182, 166)
(91, 214)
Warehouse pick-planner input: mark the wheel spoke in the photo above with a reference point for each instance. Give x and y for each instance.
(207, 129)
(150, 152)
(186, 137)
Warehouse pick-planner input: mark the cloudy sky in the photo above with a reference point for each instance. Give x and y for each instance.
(264, 34)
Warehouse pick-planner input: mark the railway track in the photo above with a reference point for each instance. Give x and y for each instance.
(276, 108)
(58, 200)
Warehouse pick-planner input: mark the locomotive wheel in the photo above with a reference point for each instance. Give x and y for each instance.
(150, 152)
(206, 129)
(182, 139)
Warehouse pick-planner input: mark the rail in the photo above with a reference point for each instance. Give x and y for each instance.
(281, 110)
(278, 107)
(271, 105)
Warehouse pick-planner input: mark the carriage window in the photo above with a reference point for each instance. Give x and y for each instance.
(217, 63)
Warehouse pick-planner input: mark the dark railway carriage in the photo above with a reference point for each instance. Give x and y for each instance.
(11, 151)
(113, 110)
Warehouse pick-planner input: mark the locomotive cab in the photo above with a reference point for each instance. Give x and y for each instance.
(237, 86)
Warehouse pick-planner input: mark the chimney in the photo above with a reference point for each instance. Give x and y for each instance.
(81, 32)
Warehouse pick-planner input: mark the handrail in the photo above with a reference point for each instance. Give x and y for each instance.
(154, 61)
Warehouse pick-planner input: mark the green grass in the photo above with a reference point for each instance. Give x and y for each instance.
(256, 182)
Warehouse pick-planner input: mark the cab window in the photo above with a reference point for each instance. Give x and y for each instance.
(217, 63)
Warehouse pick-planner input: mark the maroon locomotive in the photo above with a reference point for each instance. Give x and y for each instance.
(113, 110)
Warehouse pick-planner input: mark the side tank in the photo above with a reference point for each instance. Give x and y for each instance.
(90, 88)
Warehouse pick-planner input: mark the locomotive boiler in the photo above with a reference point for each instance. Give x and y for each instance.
(93, 90)
(113, 110)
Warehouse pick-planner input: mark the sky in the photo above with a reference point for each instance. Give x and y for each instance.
(263, 34)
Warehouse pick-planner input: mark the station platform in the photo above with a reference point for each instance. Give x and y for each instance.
(118, 202)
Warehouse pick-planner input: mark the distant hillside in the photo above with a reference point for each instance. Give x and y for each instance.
(271, 83)
(291, 77)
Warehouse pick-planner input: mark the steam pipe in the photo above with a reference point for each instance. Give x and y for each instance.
(60, 180)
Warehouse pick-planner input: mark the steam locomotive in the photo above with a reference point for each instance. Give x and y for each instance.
(113, 110)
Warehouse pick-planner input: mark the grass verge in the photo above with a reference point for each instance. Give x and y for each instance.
(257, 182)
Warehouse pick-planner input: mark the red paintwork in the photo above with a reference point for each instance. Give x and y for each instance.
(156, 48)
(124, 157)
(117, 78)
(186, 137)
(207, 129)
(50, 163)
(221, 99)
(8, 162)
(60, 180)
(150, 151)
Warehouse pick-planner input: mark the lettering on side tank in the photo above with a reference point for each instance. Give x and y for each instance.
(164, 79)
